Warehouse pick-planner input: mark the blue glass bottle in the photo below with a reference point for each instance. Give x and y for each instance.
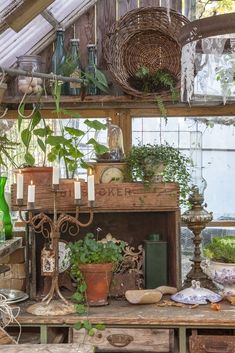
(74, 57)
(5, 209)
(58, 57)
(91, 69)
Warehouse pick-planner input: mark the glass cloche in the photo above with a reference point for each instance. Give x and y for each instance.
(112, 138)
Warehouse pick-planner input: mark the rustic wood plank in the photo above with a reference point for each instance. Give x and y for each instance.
(9, 246)
(123, 313)
(147, 3)
(125, 6)
(5, 338)
(106, 16)
(109, 197)
(103, 106)
(48, 348)
(150, 340)
(176, 5)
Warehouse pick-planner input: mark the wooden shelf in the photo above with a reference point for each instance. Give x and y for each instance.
(100, 106)
(9, 246)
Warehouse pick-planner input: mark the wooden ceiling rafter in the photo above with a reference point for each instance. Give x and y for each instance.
(25, 12)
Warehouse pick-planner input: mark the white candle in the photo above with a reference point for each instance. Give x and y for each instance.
(31, 192)
(19, 186)
(77, 190)
(91, 187)
(56, 176)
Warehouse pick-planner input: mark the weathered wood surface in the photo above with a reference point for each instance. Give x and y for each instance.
(125, 6)
(47, 348)
(128, 340)
(109, 197)
(122, 313)
(9, 246)
(5, 338)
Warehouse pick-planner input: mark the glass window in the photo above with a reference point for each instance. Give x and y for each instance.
(218, 154)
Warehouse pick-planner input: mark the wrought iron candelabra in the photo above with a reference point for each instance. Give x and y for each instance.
(51, 228)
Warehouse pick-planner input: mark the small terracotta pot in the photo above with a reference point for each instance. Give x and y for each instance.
(98, 278)
(39, 175)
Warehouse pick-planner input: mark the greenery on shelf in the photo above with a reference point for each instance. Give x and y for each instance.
(36, 131)
(156, 82)
(66, 146)
(221, 249)
(143, 162)
(91, 251)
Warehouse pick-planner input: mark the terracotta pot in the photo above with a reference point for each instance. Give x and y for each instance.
(39, 175)
(98, 278)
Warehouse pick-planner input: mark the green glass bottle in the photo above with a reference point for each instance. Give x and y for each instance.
(58, 57)
(74, 59)
(91, 69)
(5, 209)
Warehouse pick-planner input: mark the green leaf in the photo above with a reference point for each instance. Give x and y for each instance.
(78, 325)
(35, 120)
(100, 327)
(29, 159)
(41, 144)
(87, 325)
(80, 308)
(99, 149)
(56, 140)
(77, 296)
(101, 77)
(51, 157)
(91, 332)
(92, 79)
(70, 113)
(43, 132)
(26, 137)
(95, 124)
(82, 287)
(74, 132)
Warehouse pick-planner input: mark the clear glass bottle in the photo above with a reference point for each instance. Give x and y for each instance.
(74, 59)
(91, 69)
(28, 84)
(112, 138)
(5, 209)
(58, 57)
(197, 180)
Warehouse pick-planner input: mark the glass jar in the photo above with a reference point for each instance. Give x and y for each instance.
(112, 138)
(29, 84)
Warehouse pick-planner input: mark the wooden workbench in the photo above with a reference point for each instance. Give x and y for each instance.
(123, 314)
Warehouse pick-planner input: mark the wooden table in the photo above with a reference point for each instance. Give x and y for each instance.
(123, 314)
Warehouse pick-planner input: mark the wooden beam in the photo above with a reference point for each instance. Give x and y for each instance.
(25, 12)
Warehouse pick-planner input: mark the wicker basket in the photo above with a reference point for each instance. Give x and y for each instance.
(144, 37)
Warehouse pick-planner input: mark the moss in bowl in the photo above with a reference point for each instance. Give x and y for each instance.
(221, 249)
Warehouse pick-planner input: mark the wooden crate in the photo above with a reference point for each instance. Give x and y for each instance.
(128, 340)
(211, 343)
(122, 196)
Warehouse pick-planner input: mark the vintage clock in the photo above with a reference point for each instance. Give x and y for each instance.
(109, 172)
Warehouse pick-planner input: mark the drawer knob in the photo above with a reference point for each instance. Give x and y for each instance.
(119, 340)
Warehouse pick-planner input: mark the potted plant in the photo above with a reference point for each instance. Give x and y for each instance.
(92, 264)
(34, 131)
(145, 163)
(220, 264)
(66, 146)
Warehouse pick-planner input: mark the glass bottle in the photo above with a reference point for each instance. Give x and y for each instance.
(28, 84)
(91, 69)
(112, 138)
(5, 209)
(197, 179)
(2, 229)
(74, 58)
(58, 57)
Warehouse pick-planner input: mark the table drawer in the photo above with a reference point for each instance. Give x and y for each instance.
(211, 344)
(128, 340)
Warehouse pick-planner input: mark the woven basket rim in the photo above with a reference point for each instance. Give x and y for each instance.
(139, 22)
